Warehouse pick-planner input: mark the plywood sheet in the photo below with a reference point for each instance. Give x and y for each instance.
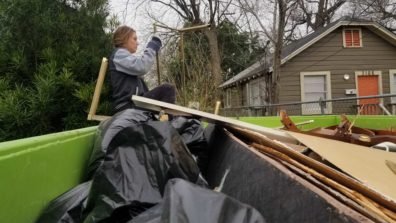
(363, 163)
(155, 105)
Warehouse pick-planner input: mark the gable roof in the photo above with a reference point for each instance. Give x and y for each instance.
(293, 49)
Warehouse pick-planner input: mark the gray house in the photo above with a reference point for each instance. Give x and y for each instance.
(347, 58)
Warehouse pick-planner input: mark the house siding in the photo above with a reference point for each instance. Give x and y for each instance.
(328, 54)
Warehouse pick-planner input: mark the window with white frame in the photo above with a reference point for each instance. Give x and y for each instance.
(227, 103)
(352, 37)
(315, 86)
(392, 75)
(392, 83)
(257, 92)
(231, 97)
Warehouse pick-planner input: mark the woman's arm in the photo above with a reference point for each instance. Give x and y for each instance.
(129, 63)
(136, 65)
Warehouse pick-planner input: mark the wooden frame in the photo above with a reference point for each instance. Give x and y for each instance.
(376, 202)
(98, 88)
(292, 184)
(102, 73)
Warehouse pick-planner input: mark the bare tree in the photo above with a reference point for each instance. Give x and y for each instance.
(284, 26)
(278, 45)
(198, 12)
(319, 13)
(382, 11)
(196, 86)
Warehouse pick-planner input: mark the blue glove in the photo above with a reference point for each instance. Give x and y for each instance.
(155, 43)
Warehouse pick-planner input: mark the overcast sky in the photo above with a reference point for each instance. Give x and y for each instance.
(139, 18)
(127, 14)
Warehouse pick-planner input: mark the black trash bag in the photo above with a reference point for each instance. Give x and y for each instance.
(108, 129)
(68, 206)
(193, 136)
(139, 161)
(186, 202)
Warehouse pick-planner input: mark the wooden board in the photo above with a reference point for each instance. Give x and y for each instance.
(98, 88)
(363, 163)
(173, 109)
(270, 183)
(372, 199)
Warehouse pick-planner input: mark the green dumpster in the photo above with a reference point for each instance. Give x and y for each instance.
(33, 171)
(363, 121)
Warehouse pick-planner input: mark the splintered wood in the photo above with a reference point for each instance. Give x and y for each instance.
(378, 205)
(370, 187)
(363, 163)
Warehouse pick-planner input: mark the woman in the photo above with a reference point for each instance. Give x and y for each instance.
(127, 70)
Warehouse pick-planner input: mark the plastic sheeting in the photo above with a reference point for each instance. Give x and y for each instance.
(134, 158)
(68, 206)
(140, 159)
(108, 129)
(192, 134)
(186, 202)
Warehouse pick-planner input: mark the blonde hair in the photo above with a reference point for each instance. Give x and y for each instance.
(121, 35)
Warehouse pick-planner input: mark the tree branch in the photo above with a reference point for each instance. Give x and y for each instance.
(172, 7)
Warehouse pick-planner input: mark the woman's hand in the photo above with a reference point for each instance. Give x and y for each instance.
(155, 43)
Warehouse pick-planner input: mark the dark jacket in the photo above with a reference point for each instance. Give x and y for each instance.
(126, 71)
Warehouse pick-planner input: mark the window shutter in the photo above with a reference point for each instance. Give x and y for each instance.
(348, 38)
(356, 38)
(352, 38)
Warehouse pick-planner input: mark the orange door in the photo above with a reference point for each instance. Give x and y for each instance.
(368, 85)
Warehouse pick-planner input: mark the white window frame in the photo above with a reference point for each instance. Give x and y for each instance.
(328, 109)
(228, 98)
(251, 85)
(261, 92)
(360, 37)
(247, 94)
(392, 90)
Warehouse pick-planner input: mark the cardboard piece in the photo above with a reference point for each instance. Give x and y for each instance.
(363, 163)
(330, 173)
(270, 184)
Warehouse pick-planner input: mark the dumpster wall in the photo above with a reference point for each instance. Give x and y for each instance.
(35, 170)
(364, 121)
(277, 193)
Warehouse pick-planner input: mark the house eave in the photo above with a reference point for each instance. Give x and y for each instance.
(241, 81)
(373, 26)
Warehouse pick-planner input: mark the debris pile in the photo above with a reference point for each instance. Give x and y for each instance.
(144, 170)
(347, 132)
